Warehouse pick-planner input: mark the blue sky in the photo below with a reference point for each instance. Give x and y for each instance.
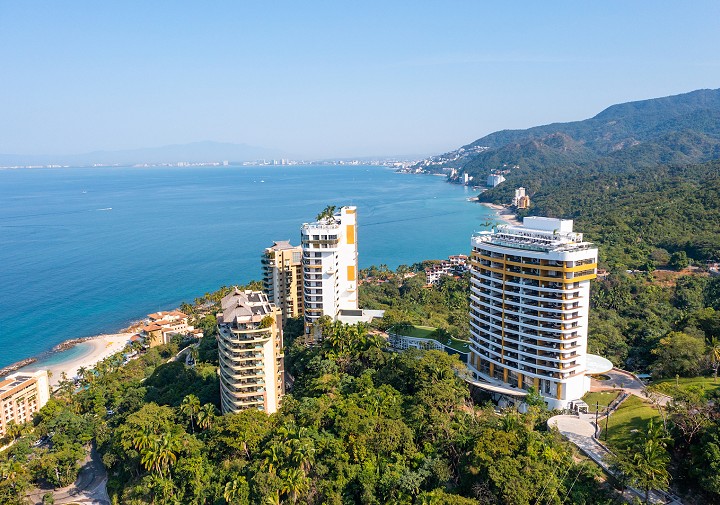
(333, 78)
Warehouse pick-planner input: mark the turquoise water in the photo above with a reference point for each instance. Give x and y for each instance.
(77, 351)
(71, 268)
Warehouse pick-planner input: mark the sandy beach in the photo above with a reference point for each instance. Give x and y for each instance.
(84, 354)
(504, 213)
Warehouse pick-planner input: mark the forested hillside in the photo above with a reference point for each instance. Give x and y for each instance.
(677, 129)
(639, 218)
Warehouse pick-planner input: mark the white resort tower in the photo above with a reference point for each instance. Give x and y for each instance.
(250, 348)
(330, 260)
(530, 292)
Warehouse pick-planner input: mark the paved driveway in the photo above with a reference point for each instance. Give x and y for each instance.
(89, 488)
(628, 383)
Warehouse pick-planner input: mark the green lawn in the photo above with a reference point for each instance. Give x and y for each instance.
(458, 345)
(416, 331)
(426, 331)
(667, 385)
(633, 414)
(605, 398)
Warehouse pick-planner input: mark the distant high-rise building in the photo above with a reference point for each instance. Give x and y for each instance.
(330, 267)
(521, 200)
(250, 346)
(494, 179)
(529, 303)
(282, 277)
(21, 395)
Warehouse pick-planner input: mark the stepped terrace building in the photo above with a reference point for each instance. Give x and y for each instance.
(530, 293)
(283, 276)
(21, 395)
(250, 348)
(330, 271)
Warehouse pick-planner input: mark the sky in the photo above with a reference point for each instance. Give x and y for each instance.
(333, 79)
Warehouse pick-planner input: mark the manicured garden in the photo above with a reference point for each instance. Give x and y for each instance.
(603, 398)
(633, 414)
(668, 385)
(417, 331)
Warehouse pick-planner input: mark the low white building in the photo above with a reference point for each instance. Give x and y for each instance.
(454, 265)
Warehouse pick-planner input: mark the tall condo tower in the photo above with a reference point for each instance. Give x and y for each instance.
(250, 348)
(282, 278)
(529, 300)
(330, 260)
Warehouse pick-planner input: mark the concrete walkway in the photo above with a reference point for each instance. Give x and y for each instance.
(620, 379)
(580, 430)
(89, 488)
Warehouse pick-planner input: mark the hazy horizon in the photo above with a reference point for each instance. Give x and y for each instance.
(333, 81)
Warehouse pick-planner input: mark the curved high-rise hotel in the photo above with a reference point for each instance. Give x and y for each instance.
(530, 293)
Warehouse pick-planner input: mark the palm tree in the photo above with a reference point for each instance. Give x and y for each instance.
(206, 415)
(272, 499)
(302, 451)
(650, 460)
(82, 374)
(190, 407)
(14, 430)
(161, 454)
(13, 472)
(234, 490)
(271, 457)
(714, 352)
(294, 484)
(195, 354)
(143, 439)
(327, 213)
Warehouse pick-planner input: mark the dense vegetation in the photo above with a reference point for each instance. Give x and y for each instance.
(679, 129)
(634, 177)
(361, 426)
(641, 218)
(406, 299)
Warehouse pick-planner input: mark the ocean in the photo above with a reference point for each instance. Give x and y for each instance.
(85, 251)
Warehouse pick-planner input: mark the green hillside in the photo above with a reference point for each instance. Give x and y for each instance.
(681, 129)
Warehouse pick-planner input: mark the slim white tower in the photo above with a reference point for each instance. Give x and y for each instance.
(529, 301)
(330, 270)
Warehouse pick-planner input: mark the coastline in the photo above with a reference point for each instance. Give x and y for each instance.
(504, 213)
(71, 355)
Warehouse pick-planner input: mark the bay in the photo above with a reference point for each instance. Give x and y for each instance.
(85, 251)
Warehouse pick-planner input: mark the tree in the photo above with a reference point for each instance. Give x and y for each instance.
(678, 353)
(714, 355)
(267, 322)
(236, 491)
(327, 213)
(161, 454)
(294, 483)
(690, 411)
(13, 430)
(650, 460)
(678, 260)
(190, 407)
(206, 416)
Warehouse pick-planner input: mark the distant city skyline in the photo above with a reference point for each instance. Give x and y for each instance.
(325, 80)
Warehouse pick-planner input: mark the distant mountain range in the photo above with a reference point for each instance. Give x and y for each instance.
(195, 152)
(672, 130)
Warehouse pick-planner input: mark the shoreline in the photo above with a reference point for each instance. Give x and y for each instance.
(96, 349)
(37, 361)
(503, 213)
